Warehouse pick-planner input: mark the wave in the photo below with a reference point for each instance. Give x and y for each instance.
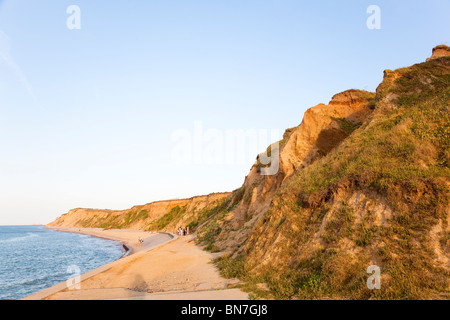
(21, 238)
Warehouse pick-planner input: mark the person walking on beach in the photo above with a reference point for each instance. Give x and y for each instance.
(187, 230)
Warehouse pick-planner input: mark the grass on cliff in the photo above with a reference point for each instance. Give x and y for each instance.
(207, 212)
(209, 231)
(410, 144)
(347, 125)
(403, 157)
(210, 222)
(113, 220)
(173, 215)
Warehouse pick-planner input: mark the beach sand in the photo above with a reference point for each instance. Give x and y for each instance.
(163, 267)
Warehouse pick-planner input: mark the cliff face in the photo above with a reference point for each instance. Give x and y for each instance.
(377, 195)
(440, 51)
(160, 215)
(323, 128)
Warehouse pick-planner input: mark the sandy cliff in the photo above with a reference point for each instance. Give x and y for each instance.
(323, 128)
(440, 51)
(363, 181)
(141, 217)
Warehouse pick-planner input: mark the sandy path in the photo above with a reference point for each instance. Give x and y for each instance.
(177, 270)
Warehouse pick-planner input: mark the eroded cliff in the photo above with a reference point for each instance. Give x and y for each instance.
(159, 215)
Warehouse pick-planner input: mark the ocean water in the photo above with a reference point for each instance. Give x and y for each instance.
(33, 258)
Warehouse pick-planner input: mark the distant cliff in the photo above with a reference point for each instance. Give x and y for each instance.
(159, 215)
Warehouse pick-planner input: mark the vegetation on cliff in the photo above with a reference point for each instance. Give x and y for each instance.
(379, 198)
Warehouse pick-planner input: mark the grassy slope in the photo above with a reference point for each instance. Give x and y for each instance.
(400, 158)
(168, 221)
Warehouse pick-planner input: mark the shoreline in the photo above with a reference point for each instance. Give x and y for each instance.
(129, 245)
(125, 236)
(126, 247)
(164, 267)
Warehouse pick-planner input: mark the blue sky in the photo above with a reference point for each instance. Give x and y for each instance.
(87, 116)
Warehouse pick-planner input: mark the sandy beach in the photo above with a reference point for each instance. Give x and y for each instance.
(163, 267)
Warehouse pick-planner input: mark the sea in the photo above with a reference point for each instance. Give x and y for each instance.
(33, 258)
